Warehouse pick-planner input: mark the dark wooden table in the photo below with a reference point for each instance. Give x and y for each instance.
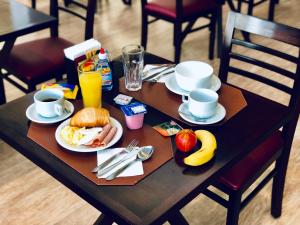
(17, 20)
(161, 195)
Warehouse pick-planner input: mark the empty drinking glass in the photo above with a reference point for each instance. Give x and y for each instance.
(133, 63)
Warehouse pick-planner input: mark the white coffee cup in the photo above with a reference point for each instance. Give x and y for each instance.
(202, 102)
(191, 75)
(49, 102)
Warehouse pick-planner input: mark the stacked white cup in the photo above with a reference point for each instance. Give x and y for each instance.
(196, 78)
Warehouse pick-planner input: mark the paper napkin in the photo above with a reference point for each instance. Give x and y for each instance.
(80, 49)
(162, 79)
(135, 168)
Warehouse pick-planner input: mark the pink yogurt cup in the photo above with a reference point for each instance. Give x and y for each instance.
(135, 121)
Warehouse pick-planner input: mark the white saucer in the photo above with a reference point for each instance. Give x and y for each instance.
(172, 85)
(35, 117)
(186, 115)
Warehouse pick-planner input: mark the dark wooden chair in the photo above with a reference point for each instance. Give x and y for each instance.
(278, 146)
(68, 2)
(182, 11)
(253, 3)
(39, 60)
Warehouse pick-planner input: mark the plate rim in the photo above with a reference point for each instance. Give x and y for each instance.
(203, 123)
(50, 121)
(75, 149)
(184, 92)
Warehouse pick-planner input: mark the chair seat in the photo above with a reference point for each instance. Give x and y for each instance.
(245, 169)
(190, 7)
(37, 60)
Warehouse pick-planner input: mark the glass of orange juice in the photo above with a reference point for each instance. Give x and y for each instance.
(90, 81)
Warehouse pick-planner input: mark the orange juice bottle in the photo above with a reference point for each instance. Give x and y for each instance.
(91, 88)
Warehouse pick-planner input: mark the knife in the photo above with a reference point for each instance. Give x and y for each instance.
(127, 156)
(120, 170)
(106, 162)
(158, 73)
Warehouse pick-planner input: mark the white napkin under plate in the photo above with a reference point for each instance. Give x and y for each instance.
(162, 79)
(135, 168)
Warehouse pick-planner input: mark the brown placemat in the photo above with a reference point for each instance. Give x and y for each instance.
(159, 97)
(44, 135)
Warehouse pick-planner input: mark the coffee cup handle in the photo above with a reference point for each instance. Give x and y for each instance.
(59, 110)
(185, 99)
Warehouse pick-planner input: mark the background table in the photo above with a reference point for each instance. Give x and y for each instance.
(161, 195)
(17, 20)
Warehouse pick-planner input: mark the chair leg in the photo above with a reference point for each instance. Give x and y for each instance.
(31, 87)
(239, 6)
(33, 4)
(278, 188)
(234, 207)
(67, 2)
(177, 41)
(58, 77)
(144, 35)
(272, 10)
(2, 90)
(212, 28)
(250, 7)
(220, 30)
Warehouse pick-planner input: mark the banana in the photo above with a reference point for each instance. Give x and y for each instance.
(206, 152)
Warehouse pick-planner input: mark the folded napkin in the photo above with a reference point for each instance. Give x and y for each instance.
(161, 79)
(80, 49)
(135, 168)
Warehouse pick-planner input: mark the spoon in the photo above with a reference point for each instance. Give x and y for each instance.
(144, 154)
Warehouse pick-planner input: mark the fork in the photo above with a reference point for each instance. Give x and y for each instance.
(127, 149)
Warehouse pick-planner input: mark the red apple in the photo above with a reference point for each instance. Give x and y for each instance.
(185, 140)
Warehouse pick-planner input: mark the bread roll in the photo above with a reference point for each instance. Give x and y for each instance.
(90, 117)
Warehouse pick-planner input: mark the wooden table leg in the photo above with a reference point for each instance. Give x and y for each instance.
(103, 220)
(177, 219)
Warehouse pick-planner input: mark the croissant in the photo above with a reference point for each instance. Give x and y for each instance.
(90, 117)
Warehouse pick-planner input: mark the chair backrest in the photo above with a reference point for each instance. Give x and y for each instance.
(268, 30)
(179, 5)
(88, 17)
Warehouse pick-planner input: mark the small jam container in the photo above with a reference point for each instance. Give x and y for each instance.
(134, 115)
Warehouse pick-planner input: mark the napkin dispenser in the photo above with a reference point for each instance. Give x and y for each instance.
(76, 54)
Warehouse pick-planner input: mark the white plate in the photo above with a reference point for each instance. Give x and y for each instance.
(186, 115)
(172, 85)
(81, 148)
(32, 114)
